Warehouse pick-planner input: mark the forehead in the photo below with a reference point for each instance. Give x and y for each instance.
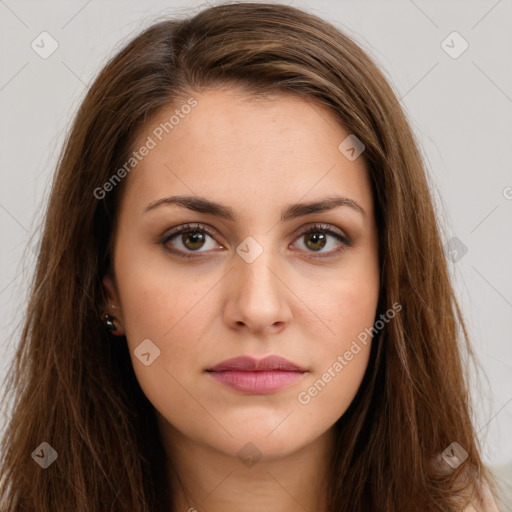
(228, 143)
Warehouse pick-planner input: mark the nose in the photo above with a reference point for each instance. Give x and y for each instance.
(258, 297)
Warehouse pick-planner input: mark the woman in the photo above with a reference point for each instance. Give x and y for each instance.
(241, 300)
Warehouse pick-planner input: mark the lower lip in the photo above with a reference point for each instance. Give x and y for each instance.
(256, 382)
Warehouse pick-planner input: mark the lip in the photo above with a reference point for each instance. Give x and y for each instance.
(247, 363)
(257, 376)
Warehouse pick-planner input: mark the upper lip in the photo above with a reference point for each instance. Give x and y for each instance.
(247, 363)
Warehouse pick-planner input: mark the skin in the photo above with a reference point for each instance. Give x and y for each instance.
(255, 157)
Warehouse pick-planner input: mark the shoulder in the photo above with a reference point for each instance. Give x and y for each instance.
(477, 496)
(485, 504)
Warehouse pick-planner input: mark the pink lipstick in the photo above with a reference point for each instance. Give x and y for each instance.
(256, 376)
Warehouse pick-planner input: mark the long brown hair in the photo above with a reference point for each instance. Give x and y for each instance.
(76, 390)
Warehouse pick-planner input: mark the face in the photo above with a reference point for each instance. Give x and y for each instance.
(250, 282)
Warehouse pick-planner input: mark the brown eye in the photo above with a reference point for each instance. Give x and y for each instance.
(188, 239)
(317, 237)
(315, 241)
(195, 237)
(193, 240)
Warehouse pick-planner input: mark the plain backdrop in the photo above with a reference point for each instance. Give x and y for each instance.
(456, 89)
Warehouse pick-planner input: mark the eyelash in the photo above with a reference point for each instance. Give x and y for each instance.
(200, 228)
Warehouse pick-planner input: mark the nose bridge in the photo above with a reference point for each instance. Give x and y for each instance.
(256, 292)
(256, 263)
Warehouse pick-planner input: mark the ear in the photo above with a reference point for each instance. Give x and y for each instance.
(112, 299)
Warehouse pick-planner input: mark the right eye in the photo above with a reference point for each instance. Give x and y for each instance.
(193, 238)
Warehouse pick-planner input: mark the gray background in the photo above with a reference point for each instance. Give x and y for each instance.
(460, 108)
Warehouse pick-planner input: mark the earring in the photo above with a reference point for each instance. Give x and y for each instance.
(110, 325)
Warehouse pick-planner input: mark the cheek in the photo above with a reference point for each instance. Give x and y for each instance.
(353, 309)
(341, 357)
(328, 394)
(159, 297)
(173, 311)
(350, 304)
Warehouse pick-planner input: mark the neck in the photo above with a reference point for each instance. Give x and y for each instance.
(203, 479)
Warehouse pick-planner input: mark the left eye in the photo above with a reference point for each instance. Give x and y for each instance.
(194, 237)
(317, 238)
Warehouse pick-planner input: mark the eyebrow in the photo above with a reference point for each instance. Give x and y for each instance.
(292, 211)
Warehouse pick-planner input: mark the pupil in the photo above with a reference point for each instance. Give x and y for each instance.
(318, 237)
(194, 235)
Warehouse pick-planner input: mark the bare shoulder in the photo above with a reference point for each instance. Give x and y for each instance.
(477, 496)
(486, 504)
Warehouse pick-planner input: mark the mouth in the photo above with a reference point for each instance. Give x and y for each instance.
(257, 376)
